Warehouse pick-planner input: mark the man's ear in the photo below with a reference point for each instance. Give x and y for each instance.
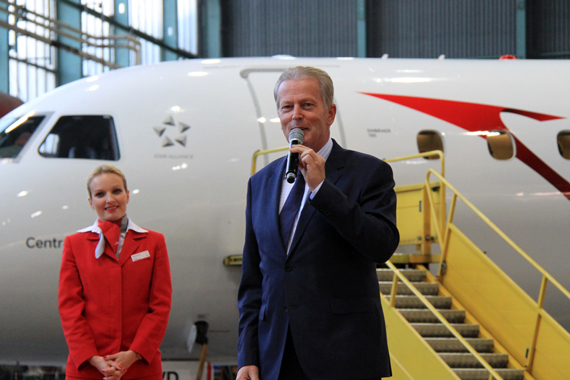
(331, 114)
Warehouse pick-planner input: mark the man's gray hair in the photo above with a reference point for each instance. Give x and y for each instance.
(305, 72)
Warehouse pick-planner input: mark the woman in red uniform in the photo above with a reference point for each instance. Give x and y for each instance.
(114, 289)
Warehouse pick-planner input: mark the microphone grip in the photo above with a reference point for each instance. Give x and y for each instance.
(292, 167)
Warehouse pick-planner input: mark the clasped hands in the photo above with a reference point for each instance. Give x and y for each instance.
(113, 367)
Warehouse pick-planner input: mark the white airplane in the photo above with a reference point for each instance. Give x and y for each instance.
(184, 134)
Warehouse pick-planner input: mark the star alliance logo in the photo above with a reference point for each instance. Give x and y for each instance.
(167, 126)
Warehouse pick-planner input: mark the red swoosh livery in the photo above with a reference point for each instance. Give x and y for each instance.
(475, 117)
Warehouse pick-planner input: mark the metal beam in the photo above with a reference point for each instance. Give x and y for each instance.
(212, 17)
(121, 16)
(68, 63)
(521, 29)
(4, 57)
(361, 28)
(127, 28)
(57, 44)
(170, 25)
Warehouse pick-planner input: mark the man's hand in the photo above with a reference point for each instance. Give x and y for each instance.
(248, 372)
(311, 164)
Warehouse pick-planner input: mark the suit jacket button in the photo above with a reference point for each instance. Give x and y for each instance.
(288, 268)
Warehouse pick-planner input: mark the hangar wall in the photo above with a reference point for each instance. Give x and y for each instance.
(401, 29)
(47, 43)
(549, 24)
(428, 29)
(318, 28)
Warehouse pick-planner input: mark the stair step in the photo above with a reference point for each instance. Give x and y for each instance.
(426, 288)
(426, 316)
(460, 360)
(413, 302)
(416, 275)
(483, 374)
(439, 330)
(453, 344)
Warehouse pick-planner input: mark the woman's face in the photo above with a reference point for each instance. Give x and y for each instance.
(109, 197)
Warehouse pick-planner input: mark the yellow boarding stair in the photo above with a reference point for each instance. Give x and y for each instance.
(413, 313)
(471, 321)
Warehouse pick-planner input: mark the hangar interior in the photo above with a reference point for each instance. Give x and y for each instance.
(47, 43)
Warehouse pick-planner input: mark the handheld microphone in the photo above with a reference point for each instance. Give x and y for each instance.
(296, 137)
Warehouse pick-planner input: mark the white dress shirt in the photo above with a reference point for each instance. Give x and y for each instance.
(286, 189)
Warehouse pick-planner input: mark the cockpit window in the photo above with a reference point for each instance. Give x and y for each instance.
(15, 133)
(87, 137)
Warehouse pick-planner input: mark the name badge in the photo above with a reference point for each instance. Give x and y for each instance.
(140, 256)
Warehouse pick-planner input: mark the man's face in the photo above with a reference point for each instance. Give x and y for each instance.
(301, 106)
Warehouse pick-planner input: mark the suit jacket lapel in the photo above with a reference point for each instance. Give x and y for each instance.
(333, 171)
(274, 194)
(335, 163)
(267, 202)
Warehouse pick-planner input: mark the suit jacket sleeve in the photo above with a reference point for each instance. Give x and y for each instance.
(153, 326)
(78, 334)
(249, 295)
(367, 218)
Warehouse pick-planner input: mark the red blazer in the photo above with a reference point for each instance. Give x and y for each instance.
(108, 305)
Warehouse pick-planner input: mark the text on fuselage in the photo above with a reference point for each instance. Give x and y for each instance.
(32, 242)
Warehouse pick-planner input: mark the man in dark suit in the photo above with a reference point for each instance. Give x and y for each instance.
(309, 299)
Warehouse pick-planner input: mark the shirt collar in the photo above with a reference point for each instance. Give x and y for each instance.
(130, 226)
(326, 149)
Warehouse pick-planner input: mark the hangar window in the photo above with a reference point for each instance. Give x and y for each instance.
(564, 144)
(15, 133)
(500, 145)
(428, 141)
(87, 137)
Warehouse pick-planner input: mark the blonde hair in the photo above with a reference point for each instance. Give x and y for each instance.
(102, 169)
(308, 72)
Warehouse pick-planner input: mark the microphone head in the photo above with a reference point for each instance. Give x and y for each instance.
(296, 135)
(291, 177)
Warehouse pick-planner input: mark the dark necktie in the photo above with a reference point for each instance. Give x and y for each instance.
(291, 208)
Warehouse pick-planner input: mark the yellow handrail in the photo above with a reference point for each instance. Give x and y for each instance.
(258, 153)
(498, 231)
(546, 277)
(438, 153)
(425, 154)
(398, 274)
